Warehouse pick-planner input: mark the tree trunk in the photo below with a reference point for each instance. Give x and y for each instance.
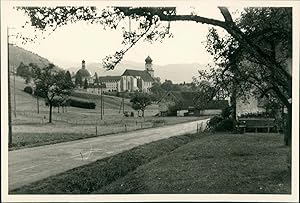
(288, 127)
(143, 113)
(38, 104)
(233, 106)
(50, 112)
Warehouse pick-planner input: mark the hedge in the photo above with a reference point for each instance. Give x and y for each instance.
(28, 89)
(82, 104)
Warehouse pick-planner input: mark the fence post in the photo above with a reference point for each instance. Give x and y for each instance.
(96, 131)
(125, 128)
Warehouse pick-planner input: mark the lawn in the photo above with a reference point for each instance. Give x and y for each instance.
(193, 164)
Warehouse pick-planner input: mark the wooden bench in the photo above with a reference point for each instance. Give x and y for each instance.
(256, 123)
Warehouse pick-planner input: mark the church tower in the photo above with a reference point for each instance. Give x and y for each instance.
(83, 64)
(148, 66)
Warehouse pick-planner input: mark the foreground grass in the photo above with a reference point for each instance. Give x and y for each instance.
(89, 178)
(218, 163)
(224, 164)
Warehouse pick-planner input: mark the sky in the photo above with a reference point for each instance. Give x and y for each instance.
(70, 44)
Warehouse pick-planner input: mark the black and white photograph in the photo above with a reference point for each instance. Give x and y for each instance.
(149, 101)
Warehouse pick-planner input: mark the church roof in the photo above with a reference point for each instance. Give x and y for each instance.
(142, 73)
(83, 73)
(109, 78)
(148, 60)
(188, 100)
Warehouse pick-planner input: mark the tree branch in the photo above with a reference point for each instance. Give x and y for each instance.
(226, 14)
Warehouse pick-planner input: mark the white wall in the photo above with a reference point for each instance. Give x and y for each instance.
(248, 106)
(209, 112)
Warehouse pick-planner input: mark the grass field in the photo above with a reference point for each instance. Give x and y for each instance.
(194, 164)
(32, 129)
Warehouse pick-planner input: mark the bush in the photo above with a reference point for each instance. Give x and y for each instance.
(226, 112)
(82, 104)
(218, 123)
(214, 122)
(225, 125)
(28, 89)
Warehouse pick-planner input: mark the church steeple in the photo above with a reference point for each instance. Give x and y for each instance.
(83, 64)
(148, 66)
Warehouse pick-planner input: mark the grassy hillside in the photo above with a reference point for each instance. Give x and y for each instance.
(18, 55)
(28, 102)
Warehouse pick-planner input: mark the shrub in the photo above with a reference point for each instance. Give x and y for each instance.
(82, 104)
(226, 112)
(225, 125)
(218, 123)
(214, 121)
(28, 89)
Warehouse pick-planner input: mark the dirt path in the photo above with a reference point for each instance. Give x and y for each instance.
(32, 164)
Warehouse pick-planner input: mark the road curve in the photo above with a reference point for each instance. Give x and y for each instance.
(32, 164)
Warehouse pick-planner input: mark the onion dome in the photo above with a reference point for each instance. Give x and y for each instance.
(83, 73)
(148, 60)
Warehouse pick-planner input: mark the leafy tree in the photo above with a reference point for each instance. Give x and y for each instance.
(167, 85)
(241, 73)
(140, 101)
(24, 71)
(51, 85)
(270, 23)
(78, 80)
(85, 84)
(96, 81)
(69, 79)
(203, 94)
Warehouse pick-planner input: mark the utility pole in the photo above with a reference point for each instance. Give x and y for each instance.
(123, 103)
(101, 102)
(15, 104)
(9, 95)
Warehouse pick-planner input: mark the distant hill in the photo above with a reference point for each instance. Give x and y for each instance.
(18, 55)
(178, 73)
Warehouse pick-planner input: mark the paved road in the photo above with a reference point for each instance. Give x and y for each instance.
(32, 164)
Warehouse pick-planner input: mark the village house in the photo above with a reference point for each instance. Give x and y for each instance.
(187, 106)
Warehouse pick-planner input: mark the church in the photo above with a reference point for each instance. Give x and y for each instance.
(131, 80)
